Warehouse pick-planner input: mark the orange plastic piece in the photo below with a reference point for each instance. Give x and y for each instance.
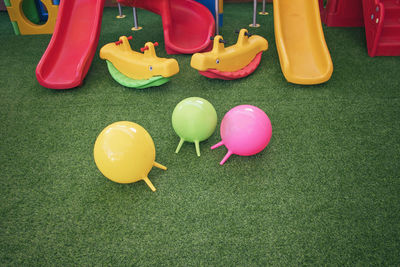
(136, 65)
(303, 53)
(25, 25)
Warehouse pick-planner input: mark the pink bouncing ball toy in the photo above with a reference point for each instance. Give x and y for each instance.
(245, 131)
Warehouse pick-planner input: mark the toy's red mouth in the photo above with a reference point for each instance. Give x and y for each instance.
(232, 75)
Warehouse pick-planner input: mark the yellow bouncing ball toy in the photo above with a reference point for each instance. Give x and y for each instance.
(124, 152)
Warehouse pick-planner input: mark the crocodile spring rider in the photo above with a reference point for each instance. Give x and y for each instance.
(233, 62)
(135, 69)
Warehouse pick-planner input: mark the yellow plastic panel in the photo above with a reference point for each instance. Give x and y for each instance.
(27, 27)
(303, 53)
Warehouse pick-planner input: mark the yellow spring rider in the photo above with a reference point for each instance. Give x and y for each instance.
(135, 69)
(233, 62)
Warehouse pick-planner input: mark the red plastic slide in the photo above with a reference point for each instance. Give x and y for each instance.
(187, 24)
(71, 49)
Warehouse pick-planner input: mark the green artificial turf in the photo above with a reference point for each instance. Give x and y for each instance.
(326, 190)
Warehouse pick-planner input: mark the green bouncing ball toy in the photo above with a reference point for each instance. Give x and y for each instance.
(194, 120)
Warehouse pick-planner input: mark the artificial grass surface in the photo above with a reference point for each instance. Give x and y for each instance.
(324, 192)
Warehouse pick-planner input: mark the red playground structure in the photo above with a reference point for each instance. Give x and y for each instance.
(338, 13)
(187, 25)
(381, 19)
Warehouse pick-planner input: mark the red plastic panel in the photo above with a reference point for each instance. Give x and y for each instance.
(342, 13)
(382, 27)
(233, 75)
(187, 24)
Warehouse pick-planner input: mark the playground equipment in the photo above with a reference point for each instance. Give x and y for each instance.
(245, 130)
(187, 24)
(21, 22)
(263, 12)
(69, 54)
(43, 14)
(124, 152)
(303, 53)
(382, 27)
(120, 15)
(135, 21)
(216, 16)
(380, 18)
(134, 69)
(337, 13)
(194, 120)
(254, 24)
(233, 62)
(215, 7)
(31, 12)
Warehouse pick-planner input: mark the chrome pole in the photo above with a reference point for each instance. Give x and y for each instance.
(120, 16)
(134, 17)
(135, 21)
(216, 17)
(254, 25)
(263, 9)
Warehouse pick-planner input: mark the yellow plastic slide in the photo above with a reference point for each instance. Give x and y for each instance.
(300, 41)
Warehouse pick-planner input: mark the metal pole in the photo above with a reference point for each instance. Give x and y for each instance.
(134, 17)
(254, 25)
(135, 28)
(263, 9)
(120, 16)
(216, 17)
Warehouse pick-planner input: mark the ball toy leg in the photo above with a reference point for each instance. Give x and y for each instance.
(179, 145)
(158, 165)
(217, 145)
(197, 145)
(226, 157)
(149, 183)
(147, 180)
